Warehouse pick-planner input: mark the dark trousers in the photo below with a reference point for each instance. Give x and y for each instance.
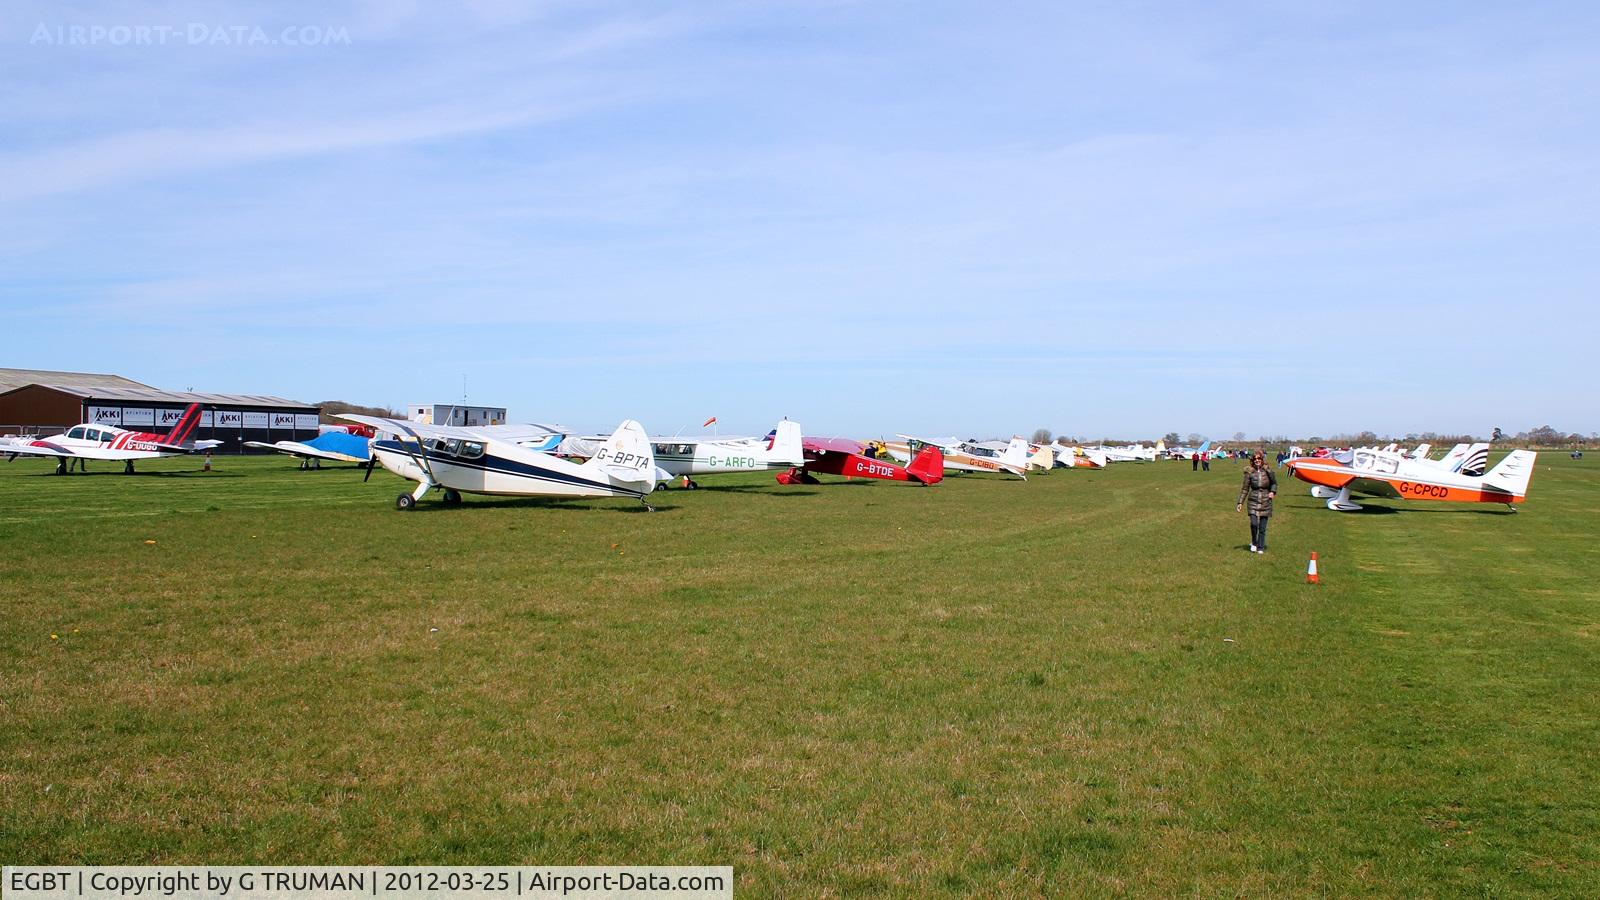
(1205, 464)
(1258, 531)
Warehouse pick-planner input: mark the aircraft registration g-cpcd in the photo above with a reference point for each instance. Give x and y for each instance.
(1393, 474)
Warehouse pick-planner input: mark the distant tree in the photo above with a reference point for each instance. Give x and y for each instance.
(1238, 436)
(1544, 436)
(1498, 434)
(1195, 438)
(1170, 437)
(1042, 436)
(331, 408)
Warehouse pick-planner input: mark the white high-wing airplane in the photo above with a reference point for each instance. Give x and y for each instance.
(686, 457)
(623, 466)
(89, 441)
(967, 456)
(1132, 452)
(1387, 474)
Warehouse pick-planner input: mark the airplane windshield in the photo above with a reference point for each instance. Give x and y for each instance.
(76, 432)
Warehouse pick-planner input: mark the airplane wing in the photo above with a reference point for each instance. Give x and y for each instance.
(320, 449)
(533, 436)
(55, 451)
(833, 445)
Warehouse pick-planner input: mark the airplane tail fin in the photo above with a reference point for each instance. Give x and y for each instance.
(626, 456)
(928, 467)
(786, 444)
(1476, 460)
(183, 429)
(1043, 458)
(1161, 447)
(1204, 448)
(1422, 451)
(1016, 455)
(1513, 473)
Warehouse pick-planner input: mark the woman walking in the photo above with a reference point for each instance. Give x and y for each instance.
(1260, 486)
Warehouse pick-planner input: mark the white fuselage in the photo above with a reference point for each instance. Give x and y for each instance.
(496, 467)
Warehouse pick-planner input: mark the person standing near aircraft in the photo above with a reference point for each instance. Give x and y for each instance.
(1194, 463)
(1259, 488)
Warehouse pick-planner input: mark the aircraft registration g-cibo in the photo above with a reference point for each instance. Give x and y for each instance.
(1381, 473)
(88, 441)
(965, 456)
(682, 457)
(623, 466)
(842, 456)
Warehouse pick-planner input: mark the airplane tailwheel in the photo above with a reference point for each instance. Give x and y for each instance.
(451, 496)
(660, 487)
(694, 485)
(405, 502)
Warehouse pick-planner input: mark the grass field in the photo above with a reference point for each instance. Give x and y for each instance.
(1081, 683)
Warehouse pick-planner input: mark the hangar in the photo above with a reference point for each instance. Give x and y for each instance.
(38, 401)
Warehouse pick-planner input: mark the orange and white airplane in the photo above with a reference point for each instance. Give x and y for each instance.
(1386, 474)
(966, 456)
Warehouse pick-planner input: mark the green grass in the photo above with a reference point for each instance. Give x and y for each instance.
(1081, 683)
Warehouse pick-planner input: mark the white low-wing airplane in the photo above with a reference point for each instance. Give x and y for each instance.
(683, 457)
(1382, 473)
(88, 441)
(623, 466)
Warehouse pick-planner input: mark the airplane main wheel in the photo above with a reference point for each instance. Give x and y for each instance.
(452, 496)
(660, 487)
(405, 502)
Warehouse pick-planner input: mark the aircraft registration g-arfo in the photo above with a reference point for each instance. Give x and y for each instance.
(966, 456)
(623, 466)
(1382, 473)
(842, 456)
(87, 441)
(682, 457)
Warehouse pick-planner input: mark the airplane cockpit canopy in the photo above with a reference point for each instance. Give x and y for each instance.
(1376, 462)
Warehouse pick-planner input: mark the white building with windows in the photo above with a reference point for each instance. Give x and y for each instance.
(456, 414)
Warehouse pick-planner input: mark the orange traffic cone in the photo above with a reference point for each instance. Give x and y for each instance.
(1311, 570)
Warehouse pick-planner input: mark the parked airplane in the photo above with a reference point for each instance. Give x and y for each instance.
(1080, 457)
(338, 446)
(681, 457)
(624, 466)
(1133, 452)
(842, 456)
(1395, 475)
(965, 456)
(88, 441)
(1187, 453)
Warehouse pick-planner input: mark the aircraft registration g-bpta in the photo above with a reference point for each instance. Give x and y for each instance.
(89, 441)
(1389, 474)
(624, 465)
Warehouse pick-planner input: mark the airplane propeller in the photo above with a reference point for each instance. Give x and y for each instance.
(371, 461)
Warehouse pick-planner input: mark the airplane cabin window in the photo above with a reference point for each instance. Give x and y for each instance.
(471, 450)
(76, 432)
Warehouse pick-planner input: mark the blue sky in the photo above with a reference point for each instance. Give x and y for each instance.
(952, 218)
